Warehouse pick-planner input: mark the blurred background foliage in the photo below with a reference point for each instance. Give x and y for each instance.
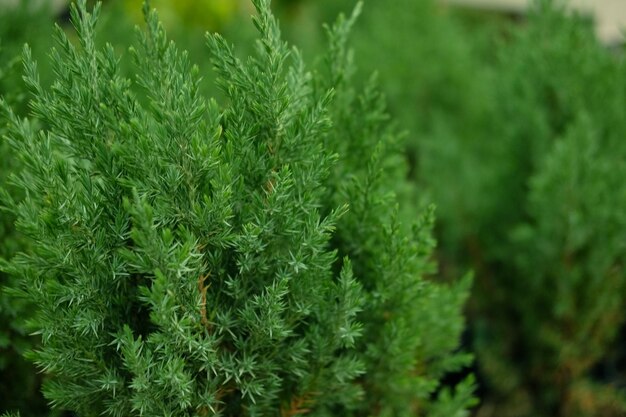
(19, 381)
(515, 129)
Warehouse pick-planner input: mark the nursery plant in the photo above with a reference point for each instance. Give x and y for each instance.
(513, 131)
(19, 382)
(535, 207)
(241, 258)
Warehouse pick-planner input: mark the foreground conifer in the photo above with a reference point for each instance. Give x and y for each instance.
(238, 260)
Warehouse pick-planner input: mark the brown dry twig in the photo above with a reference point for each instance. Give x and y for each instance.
(299, 405)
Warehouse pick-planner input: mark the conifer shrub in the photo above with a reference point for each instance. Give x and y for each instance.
(514, 135)
(238, 259)
(19, 383)
(439, 87)
(535, 207)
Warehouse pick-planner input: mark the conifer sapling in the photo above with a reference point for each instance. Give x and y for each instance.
(191, 258)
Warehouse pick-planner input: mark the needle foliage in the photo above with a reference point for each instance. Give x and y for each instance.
(535, 205)
(19, 382)
(245, 258)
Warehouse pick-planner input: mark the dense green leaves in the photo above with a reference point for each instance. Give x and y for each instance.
(19, 383)
(515, 130)
(196, 258)
(534, 206)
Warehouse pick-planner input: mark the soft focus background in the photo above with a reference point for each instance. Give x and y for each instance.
(515, 119)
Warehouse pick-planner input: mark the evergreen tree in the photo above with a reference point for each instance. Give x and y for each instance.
(191, 258)
(19, 382)
(534, 206)
(412, 325)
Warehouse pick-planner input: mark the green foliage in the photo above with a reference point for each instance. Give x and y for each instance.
(532, 202)
(515, 134)
(192, 258)
(440, 86)
(370, 167)
(19, 384)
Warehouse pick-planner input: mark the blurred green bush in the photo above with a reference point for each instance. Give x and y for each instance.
(515, 132)
(549, 239)
(19, 381)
